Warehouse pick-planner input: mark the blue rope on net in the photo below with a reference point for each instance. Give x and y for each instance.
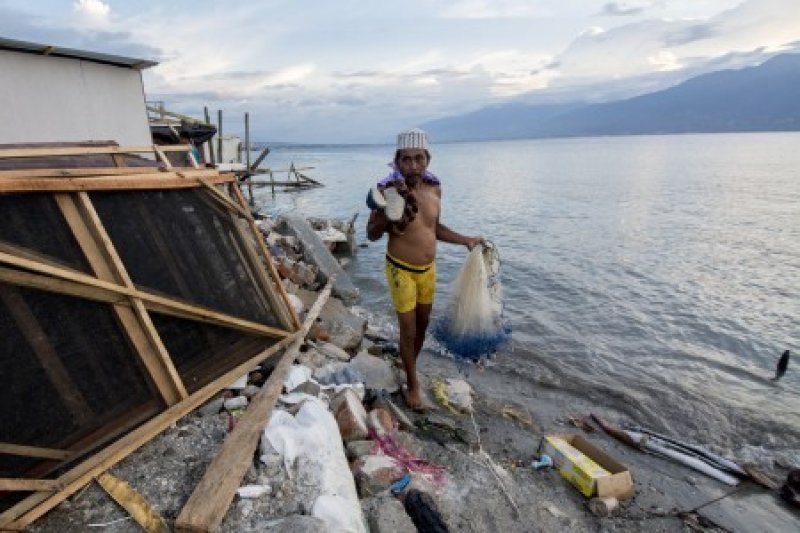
(474, 347)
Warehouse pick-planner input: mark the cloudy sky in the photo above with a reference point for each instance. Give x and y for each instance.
(358, 70)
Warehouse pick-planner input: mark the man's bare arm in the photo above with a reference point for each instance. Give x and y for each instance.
(445, 234)
(377, 225)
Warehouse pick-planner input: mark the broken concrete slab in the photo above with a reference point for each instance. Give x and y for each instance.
(753, 510)
(316, 253)
(385, 514)
(378, 374)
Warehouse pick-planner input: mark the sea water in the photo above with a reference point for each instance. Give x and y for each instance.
(661, 271)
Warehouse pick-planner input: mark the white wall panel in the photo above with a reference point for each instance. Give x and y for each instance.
(51, 99)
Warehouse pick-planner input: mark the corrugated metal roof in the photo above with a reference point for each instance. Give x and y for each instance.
(57, 51)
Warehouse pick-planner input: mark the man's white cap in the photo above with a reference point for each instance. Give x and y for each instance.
(413, 138)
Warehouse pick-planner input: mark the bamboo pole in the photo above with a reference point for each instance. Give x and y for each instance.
(213, 495)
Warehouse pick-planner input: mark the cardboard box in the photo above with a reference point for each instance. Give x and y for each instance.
(590, 469)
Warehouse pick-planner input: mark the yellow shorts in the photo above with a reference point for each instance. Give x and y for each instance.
(409, 284)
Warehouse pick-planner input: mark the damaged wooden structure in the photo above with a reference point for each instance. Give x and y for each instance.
(131, 292)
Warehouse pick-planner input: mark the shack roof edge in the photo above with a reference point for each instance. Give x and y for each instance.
(57, 51)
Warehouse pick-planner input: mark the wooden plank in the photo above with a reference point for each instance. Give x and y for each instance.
(29, 485)
(87, 150)
(162, 156)
(162, 360)
(270, 296)
(50, 361)
(289, 319)
(73, 172)
(106, 172)
(211, 498)
(90, 237)
(70, 288)
(153, 302)
(137, 506)
(24, 513)
(34, 451)
(107, 183)
(220, 197)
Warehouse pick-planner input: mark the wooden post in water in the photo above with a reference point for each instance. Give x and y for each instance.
(210, 142)
(219, 135)
(248, 176)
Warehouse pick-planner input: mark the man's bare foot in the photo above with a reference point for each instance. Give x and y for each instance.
(416, 400)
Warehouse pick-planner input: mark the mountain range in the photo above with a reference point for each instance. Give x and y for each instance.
(760, 98)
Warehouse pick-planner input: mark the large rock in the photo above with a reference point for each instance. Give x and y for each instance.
(316, 253)
(374, 473)
(359, 448)
(380, 421)
(332, 351)
(378, 374)
(385, 514)
(351, 417)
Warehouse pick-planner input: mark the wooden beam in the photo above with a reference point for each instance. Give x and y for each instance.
(50, 362)
(289, 318)
(29, 485)
(94, 242)
(154, 302)
(162, 180)
(211, 498)
(74, 172)
(162, 156)
(221, 198)
(88, 150)
(133, 502)
(25, 512)
(163, 361)
(34, 451)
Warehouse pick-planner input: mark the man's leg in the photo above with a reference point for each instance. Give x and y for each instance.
(408, 354)
(423, 316)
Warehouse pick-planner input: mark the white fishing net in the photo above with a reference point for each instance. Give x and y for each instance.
(472, 326)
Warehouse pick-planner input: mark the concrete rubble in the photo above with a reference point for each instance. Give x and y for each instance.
(340, 438)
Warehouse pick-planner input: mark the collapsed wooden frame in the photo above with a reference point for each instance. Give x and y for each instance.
(112, 284)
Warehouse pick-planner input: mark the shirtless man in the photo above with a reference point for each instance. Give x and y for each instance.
(411, 252)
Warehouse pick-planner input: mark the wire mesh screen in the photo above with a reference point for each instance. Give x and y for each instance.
(72, 374)
(35, 223)
(180, 243)
(202, 351)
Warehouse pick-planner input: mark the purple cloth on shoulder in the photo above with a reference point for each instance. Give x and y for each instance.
(395, 175)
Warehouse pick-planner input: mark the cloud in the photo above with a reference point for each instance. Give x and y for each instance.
(28, 27)
(643, 51)
(626, 9)
(92, 13)
(492, 9)
(355, 74)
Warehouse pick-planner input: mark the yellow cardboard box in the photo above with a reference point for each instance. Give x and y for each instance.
(590, 469)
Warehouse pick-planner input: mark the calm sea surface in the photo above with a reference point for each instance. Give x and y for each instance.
(662, 271)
